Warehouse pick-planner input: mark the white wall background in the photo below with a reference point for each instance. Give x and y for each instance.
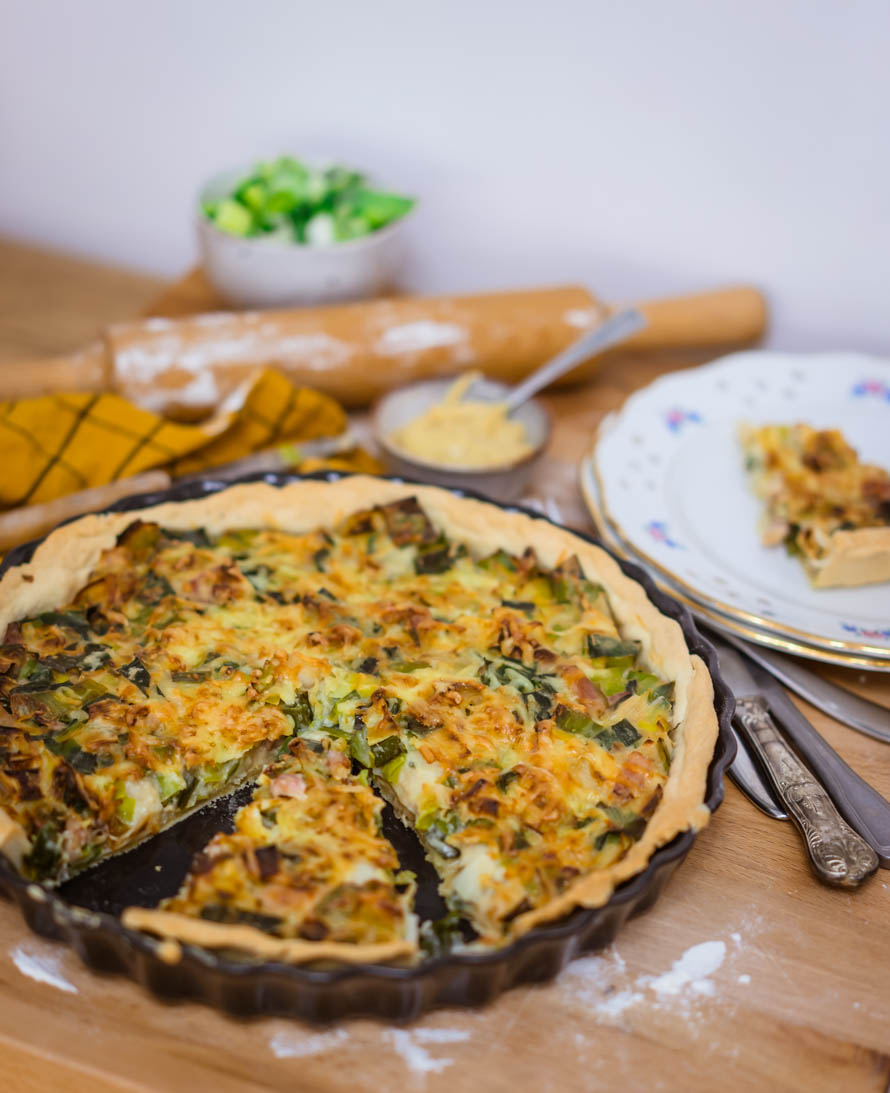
(640, 146)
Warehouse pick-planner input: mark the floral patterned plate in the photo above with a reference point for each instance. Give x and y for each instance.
(672, 486)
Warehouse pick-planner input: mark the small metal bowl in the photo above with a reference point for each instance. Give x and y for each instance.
(503, 483)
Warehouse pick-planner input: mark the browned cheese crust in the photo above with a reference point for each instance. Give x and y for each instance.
(63, 562)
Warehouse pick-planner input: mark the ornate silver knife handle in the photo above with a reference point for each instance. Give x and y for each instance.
(837, 854)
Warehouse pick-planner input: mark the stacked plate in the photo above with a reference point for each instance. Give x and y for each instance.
(666, 486)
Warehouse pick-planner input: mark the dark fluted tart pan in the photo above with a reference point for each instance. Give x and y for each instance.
(85, 911)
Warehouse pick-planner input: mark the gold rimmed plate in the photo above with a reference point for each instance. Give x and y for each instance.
(671, 483)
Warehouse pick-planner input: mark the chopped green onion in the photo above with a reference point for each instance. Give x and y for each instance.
(603, 645)
(288, 200)
(408, 665)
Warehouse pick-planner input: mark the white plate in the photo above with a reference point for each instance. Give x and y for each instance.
(710, 616)
(674, 489)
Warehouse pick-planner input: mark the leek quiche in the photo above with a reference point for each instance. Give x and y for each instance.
(517, 699)
(828, 508)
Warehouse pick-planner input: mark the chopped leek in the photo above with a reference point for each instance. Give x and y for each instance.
(288, 200)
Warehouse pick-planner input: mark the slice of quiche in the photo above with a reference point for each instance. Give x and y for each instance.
(305, 871)
(829, 509)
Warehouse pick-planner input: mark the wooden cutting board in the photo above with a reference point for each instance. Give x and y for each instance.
(745, 975)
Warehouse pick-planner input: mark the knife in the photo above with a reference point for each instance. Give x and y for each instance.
(842, 705)
(861, 805)
(747, 776)
(837, 853)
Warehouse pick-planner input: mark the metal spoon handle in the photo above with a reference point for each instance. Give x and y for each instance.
(615, 329)
(837, 854)
(864, 808)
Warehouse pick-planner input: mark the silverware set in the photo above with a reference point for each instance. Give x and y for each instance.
(790, 772)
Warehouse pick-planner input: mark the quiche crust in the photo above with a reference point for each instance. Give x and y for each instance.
(64, 561)
(853, 558)
(248, 939)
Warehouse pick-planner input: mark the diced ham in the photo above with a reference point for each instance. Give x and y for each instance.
(288, 785)
(588, 694)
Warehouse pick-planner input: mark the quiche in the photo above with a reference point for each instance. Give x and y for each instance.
(517, 699)
(830, 510)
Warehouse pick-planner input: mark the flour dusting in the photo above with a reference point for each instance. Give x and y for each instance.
(691, 970)
(603, 988)
(201, 391)
(408, 1044)
(581, 318)
(594, 982)
(441, 1035)
(417, 336)
(249, 340)
(615, 1004)
(286, 1045)
(591, 975)
(42, 967)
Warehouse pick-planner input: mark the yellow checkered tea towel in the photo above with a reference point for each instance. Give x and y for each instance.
(58, 444)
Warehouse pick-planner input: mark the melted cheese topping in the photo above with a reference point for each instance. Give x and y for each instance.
(306, 858)
(813, 485)
(492, 700)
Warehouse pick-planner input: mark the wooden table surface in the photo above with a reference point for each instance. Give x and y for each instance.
(746, 975)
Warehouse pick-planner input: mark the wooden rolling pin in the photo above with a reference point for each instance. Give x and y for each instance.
(185, 367)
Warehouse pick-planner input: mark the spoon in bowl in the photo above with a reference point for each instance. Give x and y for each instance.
(615, 329)
(504, 481)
